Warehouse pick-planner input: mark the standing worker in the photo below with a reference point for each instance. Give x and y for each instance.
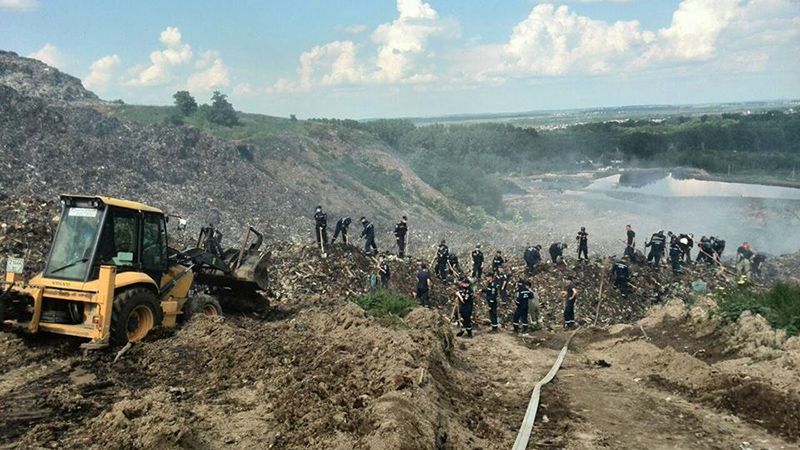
(520, 318)
(570, 293)
(384, 272)
(630, 243)
(442, 257)
(498, 261)
(686, 243)
(502, 282)
(400, 231)
(744, 255)
(675, 256)
(758, 261)
(657, 244)
(466, 299)
(342, 227)
(583, 243)
(620, 274)
(490, 292)
(423, 285)
(321, 227)
(368, 233)
(477, 262)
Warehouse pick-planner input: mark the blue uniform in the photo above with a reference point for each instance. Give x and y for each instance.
(520, 319)
(490, 293)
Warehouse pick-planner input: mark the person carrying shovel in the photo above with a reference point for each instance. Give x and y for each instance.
(321, 228)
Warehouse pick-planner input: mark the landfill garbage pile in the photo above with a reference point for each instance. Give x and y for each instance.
(26, 229)
(785, 267)
(49, 150)
(41, 81)
(598, 298)
(299, 271)
(56, 137)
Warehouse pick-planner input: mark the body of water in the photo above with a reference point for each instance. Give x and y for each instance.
(671, 187)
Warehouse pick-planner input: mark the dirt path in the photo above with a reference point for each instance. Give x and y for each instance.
(589, 406)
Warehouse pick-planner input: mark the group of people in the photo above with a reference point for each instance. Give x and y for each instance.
(709, 252)
(495, 291)
(367, 232)
(495, 288)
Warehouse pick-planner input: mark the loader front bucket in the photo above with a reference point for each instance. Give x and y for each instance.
(254, 268)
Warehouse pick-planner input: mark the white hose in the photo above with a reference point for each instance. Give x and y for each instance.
(521, 443)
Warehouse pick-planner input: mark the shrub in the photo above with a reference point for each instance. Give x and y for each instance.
(174, 118)
(385, 303)
(221, 111)
(780, 305)
(185, 103)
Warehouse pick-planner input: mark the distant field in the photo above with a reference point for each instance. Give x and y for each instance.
(561, 118)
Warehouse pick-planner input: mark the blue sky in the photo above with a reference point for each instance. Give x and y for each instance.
(417, 58)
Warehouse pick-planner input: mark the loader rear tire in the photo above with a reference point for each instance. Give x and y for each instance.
(136, 312)
(202, 304)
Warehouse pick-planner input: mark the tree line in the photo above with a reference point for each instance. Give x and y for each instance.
(466, 161)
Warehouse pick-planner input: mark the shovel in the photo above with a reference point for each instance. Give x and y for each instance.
(321, 243)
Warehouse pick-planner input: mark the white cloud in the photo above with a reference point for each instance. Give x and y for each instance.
(400, 45)
(19, 5)
(693, 33)
(403, 40)
(212, 74)
(49, 55)
(355, 29)
(159, 71)
(101, 72)
(555, 41)
(244, 90)
(327, 65)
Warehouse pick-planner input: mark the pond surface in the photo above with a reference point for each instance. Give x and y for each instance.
(671, 187)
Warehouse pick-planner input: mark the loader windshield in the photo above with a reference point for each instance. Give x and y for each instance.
(73, 245)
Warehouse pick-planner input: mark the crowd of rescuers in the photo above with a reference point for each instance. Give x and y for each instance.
(496, 282)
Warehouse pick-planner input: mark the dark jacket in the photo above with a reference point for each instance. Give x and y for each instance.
(401, 229)
(321, 219)
(369, 231)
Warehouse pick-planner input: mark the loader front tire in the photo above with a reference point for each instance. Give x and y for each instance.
(202, 304)
(136, 312)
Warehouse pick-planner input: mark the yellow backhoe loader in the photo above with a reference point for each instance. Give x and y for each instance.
(111, 277)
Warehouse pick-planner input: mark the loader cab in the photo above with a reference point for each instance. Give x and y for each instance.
(95, 231)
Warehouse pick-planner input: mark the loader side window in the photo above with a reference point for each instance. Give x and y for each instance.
(154, 244)
(118, 241)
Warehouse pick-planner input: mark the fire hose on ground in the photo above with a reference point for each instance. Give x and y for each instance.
(521, 443)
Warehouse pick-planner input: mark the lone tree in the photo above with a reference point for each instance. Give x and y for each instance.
(221, 111)
(185, 103)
